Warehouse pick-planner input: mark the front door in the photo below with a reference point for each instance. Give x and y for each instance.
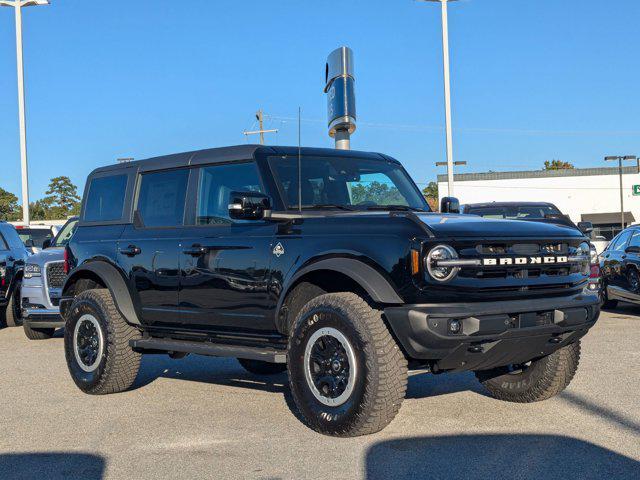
(148, 250)
(225, 263)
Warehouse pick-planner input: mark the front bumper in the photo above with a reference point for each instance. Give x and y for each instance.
(491, 334)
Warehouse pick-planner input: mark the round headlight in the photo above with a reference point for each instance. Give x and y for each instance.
(438, 272)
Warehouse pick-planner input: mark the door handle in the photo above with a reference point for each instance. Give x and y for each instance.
(130, 251)
(196, 250)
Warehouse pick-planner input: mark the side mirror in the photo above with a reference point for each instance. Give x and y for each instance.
(46, 243)
(29, 243)
(449, 205)
(585, 227)
(248, 205)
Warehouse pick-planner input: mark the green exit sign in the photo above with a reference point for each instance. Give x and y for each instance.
(636, 189)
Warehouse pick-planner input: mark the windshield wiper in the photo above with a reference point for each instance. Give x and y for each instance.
(327, 206)
(397, 208)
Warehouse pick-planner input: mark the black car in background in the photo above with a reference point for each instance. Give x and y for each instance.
(620, 267)
(544, 212)
(13, 255)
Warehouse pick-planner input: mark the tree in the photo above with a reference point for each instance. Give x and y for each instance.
(9, 208)
(557, 165)
(62, 198)
(430, 191)
(378, 193)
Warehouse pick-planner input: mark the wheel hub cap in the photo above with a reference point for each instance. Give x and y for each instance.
(330, 366)
(88, 343)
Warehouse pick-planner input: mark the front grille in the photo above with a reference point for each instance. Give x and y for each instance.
(55, 274)
(520, 277)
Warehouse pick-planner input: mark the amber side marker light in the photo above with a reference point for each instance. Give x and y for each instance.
(415, 262)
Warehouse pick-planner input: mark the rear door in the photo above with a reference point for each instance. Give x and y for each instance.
(148, 249)
(630, 263)
(225, 262)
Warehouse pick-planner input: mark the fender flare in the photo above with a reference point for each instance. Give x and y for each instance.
(114, 281)
(377, 287)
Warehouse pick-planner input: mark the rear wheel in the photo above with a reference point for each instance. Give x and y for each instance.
(535, 380)
(258, 367)
(13, 314)
(38, 333)
(348, 376)
(96, 343)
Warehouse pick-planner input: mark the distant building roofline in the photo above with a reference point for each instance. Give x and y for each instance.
(567, 172)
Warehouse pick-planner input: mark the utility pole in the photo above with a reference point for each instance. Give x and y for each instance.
(261, 131)
(620, 159)
(447, 90)
(17, 5)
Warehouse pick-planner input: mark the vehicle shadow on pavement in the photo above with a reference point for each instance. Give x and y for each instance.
(51, 465)
(495, 456)
(197, 368)
(422, 385)
(604, 413)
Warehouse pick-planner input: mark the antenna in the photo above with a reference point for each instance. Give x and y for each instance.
(299, 160)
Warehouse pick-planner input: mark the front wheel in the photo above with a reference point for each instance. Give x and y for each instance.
(535, 380)
(96, 344)
(348, 376)
(13, 313)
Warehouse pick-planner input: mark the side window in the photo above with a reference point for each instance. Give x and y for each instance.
(215, 185)
(635, 239)
(621, 242)
(3, 243)
(161, 198)
(105, 200)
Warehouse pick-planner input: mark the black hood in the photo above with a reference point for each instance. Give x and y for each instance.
(466, 226)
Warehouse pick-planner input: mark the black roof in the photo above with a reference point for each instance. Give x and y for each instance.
(509, 204)
(229, 154)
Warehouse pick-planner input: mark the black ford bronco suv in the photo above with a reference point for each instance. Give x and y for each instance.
(324, 263)
(13, 255)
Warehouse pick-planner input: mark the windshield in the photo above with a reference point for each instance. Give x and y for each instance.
(514, 212)
(352, 183)
(37, 235)
(65, 234)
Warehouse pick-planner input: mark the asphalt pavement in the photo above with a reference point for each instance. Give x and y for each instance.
(207, 418)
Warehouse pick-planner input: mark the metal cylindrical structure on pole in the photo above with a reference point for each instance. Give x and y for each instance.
(22, 117)
(621, 194)
(447, 95)
(341, 100)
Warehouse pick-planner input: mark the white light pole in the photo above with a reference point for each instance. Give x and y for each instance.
(17, 5)
(447, 91)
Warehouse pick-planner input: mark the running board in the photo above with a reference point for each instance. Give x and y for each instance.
(265, 354)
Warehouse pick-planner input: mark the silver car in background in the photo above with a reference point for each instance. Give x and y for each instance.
(44, 277)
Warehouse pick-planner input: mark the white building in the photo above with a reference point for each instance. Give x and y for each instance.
(585, 194)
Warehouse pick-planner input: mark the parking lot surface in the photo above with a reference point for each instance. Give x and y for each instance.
(207, 418)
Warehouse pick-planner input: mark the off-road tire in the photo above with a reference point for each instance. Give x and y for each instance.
(380, 383)
(13, 313)
(543, 379)
(258, 367)
(38, 333)
(119, 364)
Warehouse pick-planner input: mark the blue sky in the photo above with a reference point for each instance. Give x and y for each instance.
(532, 80)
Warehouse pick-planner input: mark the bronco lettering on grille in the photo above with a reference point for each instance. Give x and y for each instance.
(523, 260)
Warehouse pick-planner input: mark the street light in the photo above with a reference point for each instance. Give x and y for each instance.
(620, 159)
(447, 91)
(17, 5)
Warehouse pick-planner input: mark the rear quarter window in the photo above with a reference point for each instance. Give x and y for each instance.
(106, 198)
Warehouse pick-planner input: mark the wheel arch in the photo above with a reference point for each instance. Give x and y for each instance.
(348, 274)
(100, 274)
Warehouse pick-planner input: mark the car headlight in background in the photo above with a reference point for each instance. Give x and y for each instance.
(32, 270)
(435, 259)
